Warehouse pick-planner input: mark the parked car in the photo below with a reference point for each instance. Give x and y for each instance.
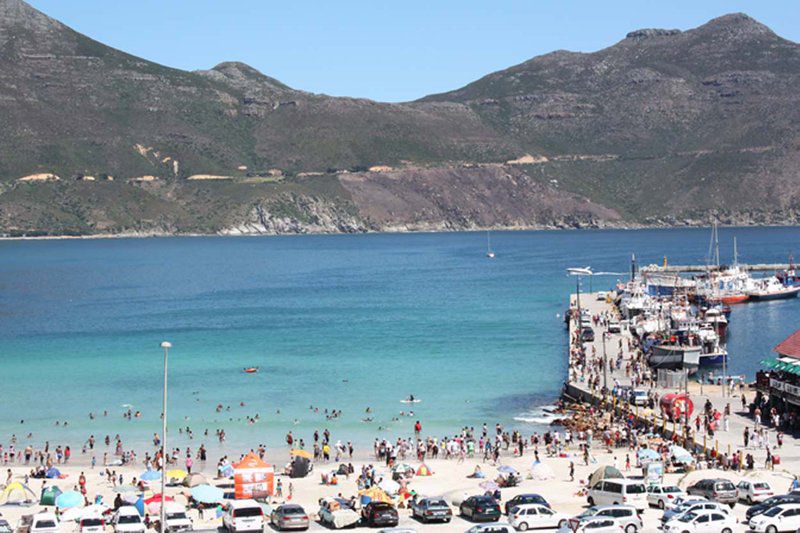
(243, 515)
(701, 522)
(614, 327)
(757, 509)
(619, 492)
(718, 490)
(380, 514)
(594, 524)
(693, 506)
(753, 491)
(128, 520)
(587, 334)
(639, 397)
(663, 496)
(176, 519)
(783, 517)
(626, 516)
(431, 509)
(5, 527)
(480, 508)
(92, 524)
(498, 527)
(535, 516)
(336, 513)
(289, 516)
(40, 523)
(601, 296)
(521, 499)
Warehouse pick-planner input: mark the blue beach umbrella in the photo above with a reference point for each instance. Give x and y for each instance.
(139, 504)
(647, 454)
(207, 494)
(226, 471)
(150, 475)
(505, 469)
(681, 455)
(69, 499)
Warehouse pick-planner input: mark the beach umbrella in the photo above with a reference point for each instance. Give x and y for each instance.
(389, 486)
(125, 489)
(177, 474)
(207, 494)
(131, 497)
(153, 503)
(541, 471)
(505, 469)
(374, 494)
(150, 475)
(49, 495)
(79, 513)
(648, 455)
(302, 453)
(52, 472)
(423, 470)
(69, 499)
(194, 479)
(680, 455)
(139, 504)
(489, 486)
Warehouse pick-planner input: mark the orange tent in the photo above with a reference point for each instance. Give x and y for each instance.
(253, 478)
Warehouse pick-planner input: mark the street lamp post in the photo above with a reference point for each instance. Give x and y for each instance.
(166, 346)
(605, 365)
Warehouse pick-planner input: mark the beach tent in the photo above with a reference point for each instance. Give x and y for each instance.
(49, 495)
(52, 472)
(423, 470)
(253, 478)
(207, 494)
(541, 471)
(604, 472)
(194, 479)
(300, 467)
(17, 493)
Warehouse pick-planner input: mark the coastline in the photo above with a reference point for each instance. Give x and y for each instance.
(390, 231)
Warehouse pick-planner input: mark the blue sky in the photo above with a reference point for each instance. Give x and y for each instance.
(381, 49)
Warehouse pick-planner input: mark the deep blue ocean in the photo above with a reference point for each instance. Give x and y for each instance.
(338, 322)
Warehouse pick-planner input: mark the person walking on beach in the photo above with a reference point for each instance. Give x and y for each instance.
(571, 471)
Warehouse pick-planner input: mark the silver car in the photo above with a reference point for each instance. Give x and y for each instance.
(624, 515)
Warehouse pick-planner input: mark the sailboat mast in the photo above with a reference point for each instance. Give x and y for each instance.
(716, 244)
(735, 253)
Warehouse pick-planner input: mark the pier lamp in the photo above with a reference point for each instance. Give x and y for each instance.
(166, 345)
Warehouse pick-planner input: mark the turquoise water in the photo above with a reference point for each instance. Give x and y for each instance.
(340, 322)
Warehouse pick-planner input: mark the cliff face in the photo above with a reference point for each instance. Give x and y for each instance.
(663, 127)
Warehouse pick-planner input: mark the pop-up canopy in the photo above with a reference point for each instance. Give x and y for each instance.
(253, 478)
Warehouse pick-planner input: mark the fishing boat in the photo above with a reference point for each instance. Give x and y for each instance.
(250, 370)
(772, 289)
(717, 320)
(675, 356)
(489, 251)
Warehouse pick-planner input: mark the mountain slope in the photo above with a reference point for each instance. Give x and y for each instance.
(660, 127)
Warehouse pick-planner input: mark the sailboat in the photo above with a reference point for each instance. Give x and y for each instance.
(489, 251)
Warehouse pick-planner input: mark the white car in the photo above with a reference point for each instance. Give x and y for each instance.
(336, 513)
(704, 522)
(535, 516)
(127, 520)
(243, 515)
(594, 524)
(601, 296)
(44, 523)
(495, 527)
(639, 397)
(783, 517)
(92, 524)
(664, 496)
(176, 519)
(753, 491)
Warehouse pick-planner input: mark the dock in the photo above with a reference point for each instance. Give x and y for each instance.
(613, 344)
(758, 267)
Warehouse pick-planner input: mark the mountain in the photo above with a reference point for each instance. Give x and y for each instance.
(662, 127)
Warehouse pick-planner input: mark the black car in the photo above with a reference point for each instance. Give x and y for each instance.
(587, 335)
(430, 509)
(757, 509)
(480, 508)
(522, 499)
(380, 514)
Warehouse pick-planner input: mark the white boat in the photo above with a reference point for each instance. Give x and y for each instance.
(772, 289)
(675, 356)
(489, 251)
